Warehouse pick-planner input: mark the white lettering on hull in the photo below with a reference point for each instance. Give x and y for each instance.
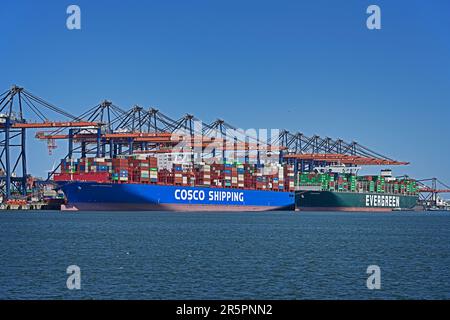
(382, 201)
(199, 195)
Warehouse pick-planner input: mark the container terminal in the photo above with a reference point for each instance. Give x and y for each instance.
(141, 159)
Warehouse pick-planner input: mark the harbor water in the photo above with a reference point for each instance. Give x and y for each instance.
(274, 255)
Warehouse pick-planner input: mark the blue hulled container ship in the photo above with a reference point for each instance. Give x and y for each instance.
(126, 196)
(146, 183)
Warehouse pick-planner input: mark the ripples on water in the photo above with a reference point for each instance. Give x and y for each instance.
(280, 255)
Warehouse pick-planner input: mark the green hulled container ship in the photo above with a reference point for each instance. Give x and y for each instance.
(333, 191)
(352, 201)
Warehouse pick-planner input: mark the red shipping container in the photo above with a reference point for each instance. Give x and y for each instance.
(92, 176)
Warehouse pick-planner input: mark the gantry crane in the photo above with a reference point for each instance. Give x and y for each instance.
(429, 189)
(108, 130)
(17, 108)
(140, 130)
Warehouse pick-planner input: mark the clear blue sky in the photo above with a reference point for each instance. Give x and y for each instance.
(309, 66)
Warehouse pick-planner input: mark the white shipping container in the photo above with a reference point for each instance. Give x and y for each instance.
(141, 156)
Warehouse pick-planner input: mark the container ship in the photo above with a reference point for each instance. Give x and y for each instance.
(146, 160)
(136, 183)
(150, 183)
(337, 191)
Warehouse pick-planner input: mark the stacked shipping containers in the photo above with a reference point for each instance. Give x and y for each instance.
(202, 174)
(217, 174)
(289, 178)
(269, 176)
(153, 167)
(120, 170)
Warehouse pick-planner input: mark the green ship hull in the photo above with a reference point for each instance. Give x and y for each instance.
(352, 201)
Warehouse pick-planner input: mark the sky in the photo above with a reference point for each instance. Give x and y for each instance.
(307, 66)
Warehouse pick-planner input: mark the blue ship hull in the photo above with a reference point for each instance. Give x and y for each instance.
(122, 197)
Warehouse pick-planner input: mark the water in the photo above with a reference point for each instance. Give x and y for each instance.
(283, 255)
